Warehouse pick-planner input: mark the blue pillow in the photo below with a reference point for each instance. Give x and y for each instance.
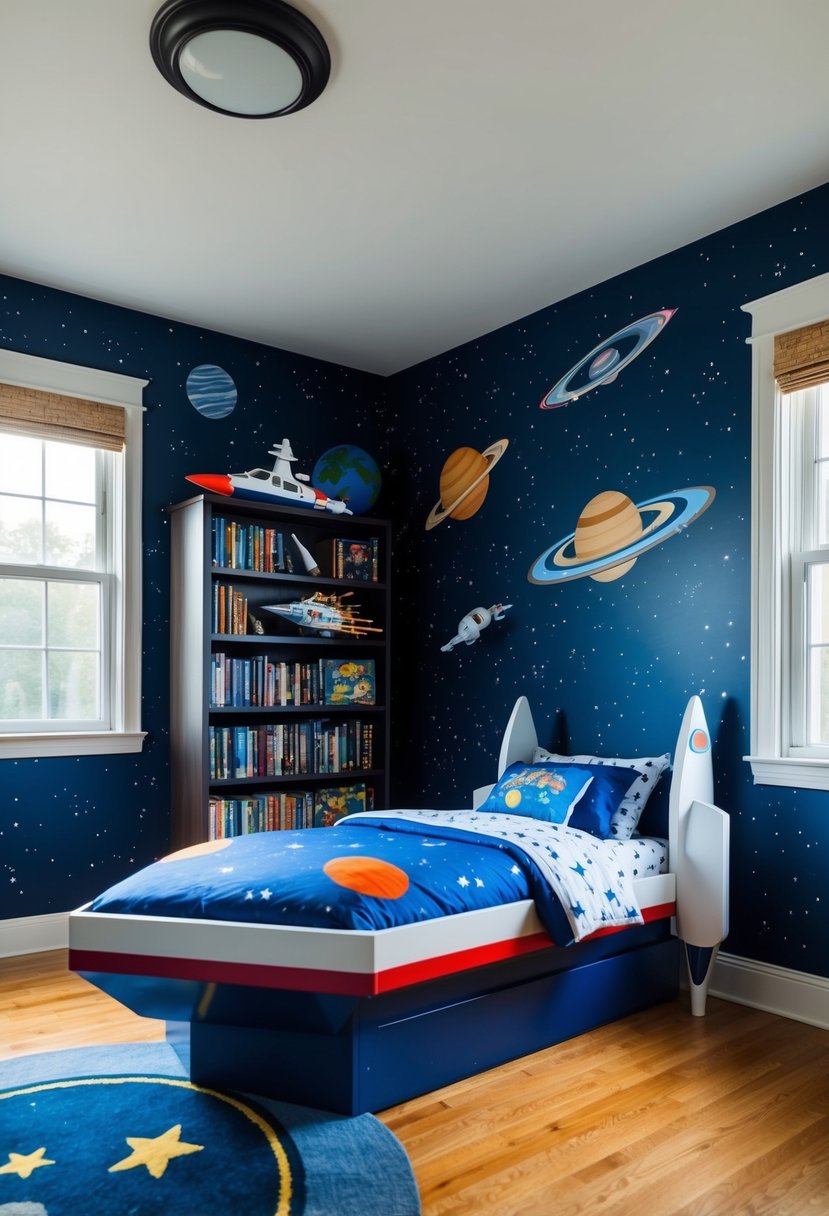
(594, 812)
(539, 791)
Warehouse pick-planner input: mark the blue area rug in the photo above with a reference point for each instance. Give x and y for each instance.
(121, 1131)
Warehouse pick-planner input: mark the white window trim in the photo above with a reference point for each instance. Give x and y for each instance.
(110, 388)
(771, 764)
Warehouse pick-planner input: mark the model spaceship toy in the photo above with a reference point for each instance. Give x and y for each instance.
(470, 626)
(325, 613)
(279, 485)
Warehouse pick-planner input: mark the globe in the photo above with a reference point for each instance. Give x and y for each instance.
(349, 474)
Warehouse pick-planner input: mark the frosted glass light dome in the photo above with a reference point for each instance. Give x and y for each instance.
(240, 73)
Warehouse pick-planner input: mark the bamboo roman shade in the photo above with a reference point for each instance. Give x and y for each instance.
(72, 419)
(801, 357)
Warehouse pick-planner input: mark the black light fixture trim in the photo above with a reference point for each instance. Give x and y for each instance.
(178, 21)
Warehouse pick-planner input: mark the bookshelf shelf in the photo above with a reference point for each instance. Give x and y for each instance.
(221, 683)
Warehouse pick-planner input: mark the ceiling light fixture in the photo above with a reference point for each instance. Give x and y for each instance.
(247, 58)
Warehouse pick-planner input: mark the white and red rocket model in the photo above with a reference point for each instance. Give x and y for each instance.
(280, 485)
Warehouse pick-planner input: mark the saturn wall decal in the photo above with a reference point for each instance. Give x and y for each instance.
(612, 531)
(464, 481)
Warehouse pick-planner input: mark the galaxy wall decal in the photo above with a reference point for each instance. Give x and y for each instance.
(613, 531)
(211, 391)
(604, 362)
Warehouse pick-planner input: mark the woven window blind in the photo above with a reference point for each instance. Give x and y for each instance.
(801, 357)
(71, 419)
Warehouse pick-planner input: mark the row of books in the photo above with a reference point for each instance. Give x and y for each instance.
(230, 609)
(238, 546)
(278, 749)
(288, 810)
(342, 557)
(262, 681)
(249, 546)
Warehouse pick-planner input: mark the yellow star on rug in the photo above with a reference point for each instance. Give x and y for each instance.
(155, 1153)
(24, 1164)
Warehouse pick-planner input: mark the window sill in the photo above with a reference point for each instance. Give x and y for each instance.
(794, 772)
(103, 743)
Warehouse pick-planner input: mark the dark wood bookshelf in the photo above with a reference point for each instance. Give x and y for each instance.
(193, 642)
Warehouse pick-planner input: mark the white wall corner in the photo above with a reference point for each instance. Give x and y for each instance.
(791, 994)
(34, 934)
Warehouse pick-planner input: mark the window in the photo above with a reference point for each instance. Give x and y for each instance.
(70, 559)
(790, 537)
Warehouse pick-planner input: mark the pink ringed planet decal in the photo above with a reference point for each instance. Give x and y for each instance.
(604, 362)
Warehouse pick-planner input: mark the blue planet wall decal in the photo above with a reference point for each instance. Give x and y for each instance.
(604, 362)
(612, 531)
(211, 391)
(350, 475)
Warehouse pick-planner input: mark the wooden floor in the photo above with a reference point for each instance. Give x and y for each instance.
(661, 1114)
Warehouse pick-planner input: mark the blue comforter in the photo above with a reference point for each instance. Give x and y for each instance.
(379, 870)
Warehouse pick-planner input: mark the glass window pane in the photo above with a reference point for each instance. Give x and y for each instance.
(818, 697)
(21, 684)
(823, 502)
(818, 591)
(70, 472)
(21, 530)
(70, 535)
(823, 421)
(74, 615)
(74, 685)
(21, 465)
(22, 602)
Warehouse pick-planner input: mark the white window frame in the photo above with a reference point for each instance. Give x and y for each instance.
(775, 758)
(109, 388)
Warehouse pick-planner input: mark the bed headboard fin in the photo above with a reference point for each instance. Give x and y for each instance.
(693, 775)
(520, 738)
(699, 836)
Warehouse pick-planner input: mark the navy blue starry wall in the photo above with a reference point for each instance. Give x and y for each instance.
(69, 827)
(608, 666)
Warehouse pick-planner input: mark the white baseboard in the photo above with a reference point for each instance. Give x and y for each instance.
(792, 994)
(33, 934)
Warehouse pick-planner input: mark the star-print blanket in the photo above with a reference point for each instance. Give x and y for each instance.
(579, 883)
(382, 869)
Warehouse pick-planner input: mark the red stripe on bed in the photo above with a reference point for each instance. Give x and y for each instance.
(304, 979)
(460, 960)
(252, 975)
(310, 979)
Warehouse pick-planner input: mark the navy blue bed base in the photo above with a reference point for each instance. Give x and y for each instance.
(357, 1054)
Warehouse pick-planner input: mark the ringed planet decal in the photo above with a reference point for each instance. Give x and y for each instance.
(604, 362)
(672, 513)
(464, 481)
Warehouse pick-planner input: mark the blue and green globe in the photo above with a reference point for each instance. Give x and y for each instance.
(349, 474)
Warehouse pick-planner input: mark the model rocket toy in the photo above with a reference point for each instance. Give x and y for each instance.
(470, 626)
(326, 613)
(279, 485)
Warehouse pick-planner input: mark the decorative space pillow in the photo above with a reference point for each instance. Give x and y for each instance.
(539, 791)
(601, 800)
(647, 770)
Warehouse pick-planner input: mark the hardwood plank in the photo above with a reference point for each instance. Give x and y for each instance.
(660, 1114)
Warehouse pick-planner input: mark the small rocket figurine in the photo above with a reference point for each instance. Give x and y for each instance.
(308, 561)
(470, 626)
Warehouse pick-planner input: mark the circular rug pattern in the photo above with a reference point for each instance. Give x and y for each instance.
(122, 1130)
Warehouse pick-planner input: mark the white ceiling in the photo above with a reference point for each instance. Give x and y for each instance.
(470, 161)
